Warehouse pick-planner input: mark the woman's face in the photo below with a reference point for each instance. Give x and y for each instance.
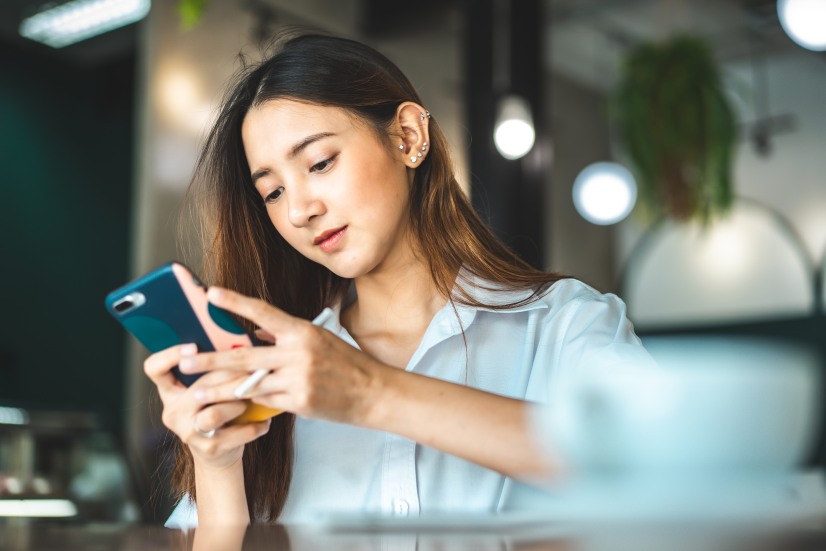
(331, 188)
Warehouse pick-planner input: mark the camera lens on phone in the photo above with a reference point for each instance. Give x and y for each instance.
(124, 305)
(130, 301)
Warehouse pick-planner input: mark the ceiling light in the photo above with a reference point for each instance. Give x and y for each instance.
(805, 22)
(604, 193)
(13, 416)
(514, 133)
(81, 19)
(54, 508)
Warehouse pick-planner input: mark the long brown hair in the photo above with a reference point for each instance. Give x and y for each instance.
(243, 251)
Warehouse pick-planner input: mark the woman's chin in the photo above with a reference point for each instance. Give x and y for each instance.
(346, 271)
(349, 266)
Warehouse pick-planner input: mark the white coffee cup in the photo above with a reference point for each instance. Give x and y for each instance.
(712, 405)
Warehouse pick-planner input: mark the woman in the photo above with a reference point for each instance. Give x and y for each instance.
(327, 183)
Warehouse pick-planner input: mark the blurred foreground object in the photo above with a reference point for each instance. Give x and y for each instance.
(722, 427)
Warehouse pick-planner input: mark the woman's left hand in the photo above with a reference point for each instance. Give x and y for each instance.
(313, 372)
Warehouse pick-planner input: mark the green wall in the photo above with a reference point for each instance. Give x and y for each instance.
(66, 175)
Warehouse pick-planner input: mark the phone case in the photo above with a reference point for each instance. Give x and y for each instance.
(168, 306)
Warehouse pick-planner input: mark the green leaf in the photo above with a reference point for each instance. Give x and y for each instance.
(191, 12)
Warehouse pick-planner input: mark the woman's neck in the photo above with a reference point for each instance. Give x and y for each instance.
(392, 310)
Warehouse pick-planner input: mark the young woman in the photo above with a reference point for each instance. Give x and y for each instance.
(325, 182)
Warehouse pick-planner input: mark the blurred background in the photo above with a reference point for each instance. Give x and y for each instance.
(98, 139)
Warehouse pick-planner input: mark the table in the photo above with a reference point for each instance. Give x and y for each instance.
(25, 535)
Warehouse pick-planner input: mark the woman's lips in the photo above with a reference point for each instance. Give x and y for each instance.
(329, 240)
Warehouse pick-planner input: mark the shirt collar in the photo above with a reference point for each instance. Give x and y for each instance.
(489, 293)
(449, 321)
(494, 294)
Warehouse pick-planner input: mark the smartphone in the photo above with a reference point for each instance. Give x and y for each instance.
(169, 306)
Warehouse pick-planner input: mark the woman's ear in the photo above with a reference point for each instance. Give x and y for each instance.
(414, 121)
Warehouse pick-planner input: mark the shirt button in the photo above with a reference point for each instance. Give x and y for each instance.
(400, 507)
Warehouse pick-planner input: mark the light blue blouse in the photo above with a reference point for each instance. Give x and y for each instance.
(517, 352)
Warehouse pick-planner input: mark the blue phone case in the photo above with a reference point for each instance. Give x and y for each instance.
(166, 317)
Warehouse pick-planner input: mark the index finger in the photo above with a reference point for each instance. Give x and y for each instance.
(158, 366)
(261, 313)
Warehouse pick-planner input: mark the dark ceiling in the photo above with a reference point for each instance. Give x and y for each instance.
(752, 25)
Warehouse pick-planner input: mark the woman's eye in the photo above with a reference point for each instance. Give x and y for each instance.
(324, 165)
(272, 197)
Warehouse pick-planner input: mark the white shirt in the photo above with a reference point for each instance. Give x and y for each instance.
(517, 352)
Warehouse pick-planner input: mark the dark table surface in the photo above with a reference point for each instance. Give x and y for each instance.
(25, 535)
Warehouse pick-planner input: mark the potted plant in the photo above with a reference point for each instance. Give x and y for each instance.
(677, 128)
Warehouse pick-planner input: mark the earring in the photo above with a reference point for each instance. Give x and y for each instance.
(424, 146)
(401, 147)
(413, 159)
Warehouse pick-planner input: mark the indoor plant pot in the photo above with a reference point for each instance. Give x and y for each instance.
(677, 128)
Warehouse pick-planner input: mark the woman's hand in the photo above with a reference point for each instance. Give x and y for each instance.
(183, 413)
(313, 373)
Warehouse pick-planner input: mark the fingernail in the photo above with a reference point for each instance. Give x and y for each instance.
(186, 364)
(200, 395)
(189, 349)
(214, 293)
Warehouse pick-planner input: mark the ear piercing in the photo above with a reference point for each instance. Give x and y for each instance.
(422, 117)
(418, 153)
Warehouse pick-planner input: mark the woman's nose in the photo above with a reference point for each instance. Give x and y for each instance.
(303, 208)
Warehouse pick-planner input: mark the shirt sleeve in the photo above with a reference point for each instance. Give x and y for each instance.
(184, 516)
(587, 350)
(582, 334)
(582, 331)
(599, 335)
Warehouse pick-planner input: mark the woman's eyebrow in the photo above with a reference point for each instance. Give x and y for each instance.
(296, 149)
(259, 174)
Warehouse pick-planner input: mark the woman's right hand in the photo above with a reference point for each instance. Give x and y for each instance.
(182, 413)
